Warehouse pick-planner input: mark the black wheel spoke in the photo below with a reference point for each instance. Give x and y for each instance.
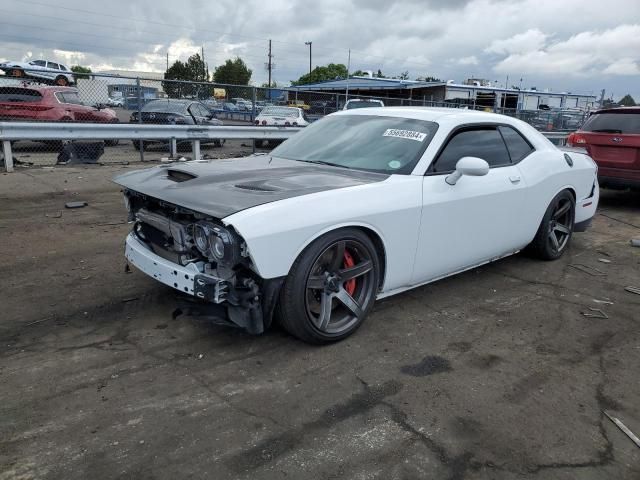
(562, 210)
(338, 257)
(348, 301)
(356, 271)
(325, 311)
(316, 282)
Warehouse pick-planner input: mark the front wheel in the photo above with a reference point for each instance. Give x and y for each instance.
(556, 228)
(331, 287)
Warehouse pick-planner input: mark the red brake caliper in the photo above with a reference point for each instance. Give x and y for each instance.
(349, 285)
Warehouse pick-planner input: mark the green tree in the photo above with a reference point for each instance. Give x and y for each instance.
(627, 101)
(428, 78)
(80, 72)
(322, 74)
(193, 70)
(233, 72)
(379, 74)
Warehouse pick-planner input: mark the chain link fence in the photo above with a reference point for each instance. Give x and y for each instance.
(48, 95)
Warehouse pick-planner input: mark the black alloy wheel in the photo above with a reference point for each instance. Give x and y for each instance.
(331, 288)
(555, 230)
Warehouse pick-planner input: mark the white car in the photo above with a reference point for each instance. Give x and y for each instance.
(51, 72)
(362, 103)
(358, 206)
(280, 117)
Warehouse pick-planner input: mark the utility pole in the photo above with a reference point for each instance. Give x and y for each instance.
(309, 43)
(346, 97)
(269, 64)
(167, 60)
(204, 70)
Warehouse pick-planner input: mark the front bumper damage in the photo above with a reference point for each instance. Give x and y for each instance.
(250, 307)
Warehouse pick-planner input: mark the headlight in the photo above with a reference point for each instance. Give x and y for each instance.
(216, 243)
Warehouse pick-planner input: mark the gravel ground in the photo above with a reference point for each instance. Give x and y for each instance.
(491, 374)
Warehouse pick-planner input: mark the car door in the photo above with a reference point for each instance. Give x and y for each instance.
(476, 219)
(199, 113)
(51, 71)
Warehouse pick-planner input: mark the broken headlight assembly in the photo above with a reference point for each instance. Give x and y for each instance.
(216, 243)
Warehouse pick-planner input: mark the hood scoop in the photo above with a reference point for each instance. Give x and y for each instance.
(180, 176)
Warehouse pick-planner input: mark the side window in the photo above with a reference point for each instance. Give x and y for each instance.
(69, 97)
(53, 65)
(40, 63)
(485, 143)
(518, 147)
(63, 68)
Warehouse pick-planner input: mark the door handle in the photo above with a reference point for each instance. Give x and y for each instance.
(514, 178)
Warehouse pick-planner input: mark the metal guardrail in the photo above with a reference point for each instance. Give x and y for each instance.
(15, 131)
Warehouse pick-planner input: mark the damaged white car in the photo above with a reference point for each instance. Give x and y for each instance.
(358, 206)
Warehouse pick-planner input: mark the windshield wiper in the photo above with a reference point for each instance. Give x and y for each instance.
(606, 130)
(322, 162)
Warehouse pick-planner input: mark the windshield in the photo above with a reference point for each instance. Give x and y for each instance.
(627, 122)
(366, 142)
(362, 104)
(279, 112)
(165, 106)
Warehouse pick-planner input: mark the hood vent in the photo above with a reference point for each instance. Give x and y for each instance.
(255, 188)
(180, 176)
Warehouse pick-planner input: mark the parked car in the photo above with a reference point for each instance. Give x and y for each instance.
(242, 104)
(115, 102)
(612, 137)
(357, 206)
(230, 107)
(322, 107)
(360, 103)
(279, 117)
(298, 104)
(175, 112)
(43, 70)
(51, 104)
(212, 105)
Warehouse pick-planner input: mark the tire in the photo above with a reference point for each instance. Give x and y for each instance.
(136, 145)
(554, 233)
(331, 287)
(17, 72)
(61, 81)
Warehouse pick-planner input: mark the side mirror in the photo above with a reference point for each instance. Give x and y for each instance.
(472, 166)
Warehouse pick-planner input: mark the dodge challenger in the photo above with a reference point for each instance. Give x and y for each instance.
(358, 206)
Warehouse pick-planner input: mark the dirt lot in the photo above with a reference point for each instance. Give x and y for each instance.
(492, 374)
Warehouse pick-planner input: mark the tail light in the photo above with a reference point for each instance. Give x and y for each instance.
(576, 140)
(257, 122)
(264, 122)
(295, 124)
(287, 123)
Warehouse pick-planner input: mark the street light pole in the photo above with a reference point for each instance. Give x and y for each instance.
(309, 43)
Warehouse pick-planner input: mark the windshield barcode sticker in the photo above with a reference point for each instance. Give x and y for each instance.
(410, 134)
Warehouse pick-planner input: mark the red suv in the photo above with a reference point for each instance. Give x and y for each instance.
(49, 104)
(612, 138)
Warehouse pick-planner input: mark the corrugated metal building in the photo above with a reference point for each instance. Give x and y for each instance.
(430, 93)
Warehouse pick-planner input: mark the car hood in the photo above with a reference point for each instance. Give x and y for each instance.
(223, 187)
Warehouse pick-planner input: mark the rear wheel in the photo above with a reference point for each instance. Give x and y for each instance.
(556, 228)
(61, 81)
(17, 72)
(331, 287)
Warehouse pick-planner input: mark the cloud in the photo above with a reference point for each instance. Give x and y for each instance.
(470, 60)
(529, 41)
(589, 53)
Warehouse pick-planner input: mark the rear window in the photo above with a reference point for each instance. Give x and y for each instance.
(279, 112)
(165, 106)
(623, 122)
(19, 95)
(363, 104)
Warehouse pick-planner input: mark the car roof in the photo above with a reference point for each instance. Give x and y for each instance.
(43, 88)
(619, 110)
(433, 114)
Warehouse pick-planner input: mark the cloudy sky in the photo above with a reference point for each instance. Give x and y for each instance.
(580, 46)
